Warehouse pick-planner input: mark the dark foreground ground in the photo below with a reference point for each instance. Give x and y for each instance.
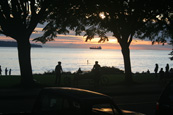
(140, 98)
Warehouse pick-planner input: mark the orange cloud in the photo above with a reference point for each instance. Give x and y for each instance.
(141, 42)
(6, 38)
(79, 42)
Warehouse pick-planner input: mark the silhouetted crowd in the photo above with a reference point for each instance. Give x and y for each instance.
(168, 73)
(7, 72)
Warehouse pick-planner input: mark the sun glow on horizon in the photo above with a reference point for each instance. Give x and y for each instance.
(73, 41)
(113, 41)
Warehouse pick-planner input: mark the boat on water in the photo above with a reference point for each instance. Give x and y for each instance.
(95, 47)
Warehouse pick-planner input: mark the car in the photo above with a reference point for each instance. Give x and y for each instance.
(73, 101)
(66, 101)
(164, 105)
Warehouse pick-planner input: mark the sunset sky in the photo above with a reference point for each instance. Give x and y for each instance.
(72, 41)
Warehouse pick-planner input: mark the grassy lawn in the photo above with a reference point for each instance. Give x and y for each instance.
(70, 80)
(9, 81)
(145, 78)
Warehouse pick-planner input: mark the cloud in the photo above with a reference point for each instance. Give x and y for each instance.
(72, 37)
(5, 38)
(151, 47)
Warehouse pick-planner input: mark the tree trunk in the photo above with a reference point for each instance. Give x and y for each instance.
(24, 51)
(127, 64)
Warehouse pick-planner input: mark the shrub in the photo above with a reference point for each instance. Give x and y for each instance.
(50, 72)
(111, 70)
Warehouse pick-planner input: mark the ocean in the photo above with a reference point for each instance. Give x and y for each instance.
(45, 59)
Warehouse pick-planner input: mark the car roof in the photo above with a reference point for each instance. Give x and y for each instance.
(76, 93)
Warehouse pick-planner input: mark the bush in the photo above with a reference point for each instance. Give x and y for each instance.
(110, 70)
(104, 70)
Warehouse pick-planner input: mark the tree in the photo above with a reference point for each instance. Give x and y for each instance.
(161, 30)
(134, 18)
(127, 19)
(18, 19)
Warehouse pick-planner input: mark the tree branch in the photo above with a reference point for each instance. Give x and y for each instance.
(2, 19)
(25, 12)
(36, 17)
(5, 9)
(33, 11)
(130, 39)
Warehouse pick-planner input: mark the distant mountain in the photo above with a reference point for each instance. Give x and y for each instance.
(14, 44)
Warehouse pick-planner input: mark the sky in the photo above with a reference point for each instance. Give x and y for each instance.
(72, 41)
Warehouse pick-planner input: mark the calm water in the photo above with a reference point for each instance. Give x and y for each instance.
(45, 59)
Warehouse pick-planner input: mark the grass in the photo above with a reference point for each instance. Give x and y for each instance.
(45, 79)
(9, 81)
(67, 80)
(145, 78)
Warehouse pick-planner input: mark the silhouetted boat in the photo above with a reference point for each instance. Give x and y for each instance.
(95, 47)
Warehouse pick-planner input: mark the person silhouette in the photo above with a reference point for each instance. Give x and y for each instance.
(167, 68)
(0, 70)
(6, 71)
(96, 70)
(156, 69)
(10, 72)
(87, 62)
(58, 72)
(161, 73)
(96, 66)
(79, 71)
(171, 72)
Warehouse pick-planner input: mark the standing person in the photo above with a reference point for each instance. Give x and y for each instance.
(6, 71)
(0, 70)
(58, 72)
(167, 68)
(96, 71)
(161, 73)
(10, 72)
(79, 71)
(156, 69)
(167, 71)
(171, 72)
(87, 62)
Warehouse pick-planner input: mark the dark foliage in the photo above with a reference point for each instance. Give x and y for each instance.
(53, 73)
(110, 70)
(104, 70)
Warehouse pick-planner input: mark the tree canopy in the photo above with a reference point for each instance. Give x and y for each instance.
(21, 14)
